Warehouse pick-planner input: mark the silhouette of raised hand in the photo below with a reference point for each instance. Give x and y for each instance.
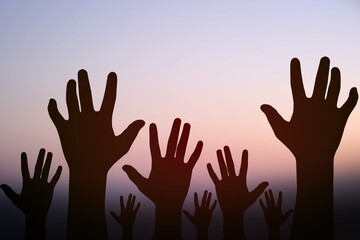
(90, 148)
(273, 214)
(233, 194)
(127, 216)
(202, 216)
(36, 194)
(313, 135)
(169, 179)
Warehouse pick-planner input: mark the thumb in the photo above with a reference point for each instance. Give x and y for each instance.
(135, 176)
(13, 196)
(276, 121)
(189, 216)
(127, 137)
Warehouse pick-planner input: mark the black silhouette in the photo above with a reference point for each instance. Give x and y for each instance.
(313, 136)
(90, 148)
(202, 216)
(273, 214)
(127, 216)
(36, 194)
(232, 193)
(169, 179)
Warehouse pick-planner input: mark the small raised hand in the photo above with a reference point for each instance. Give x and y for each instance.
(127, 216)
(169, 179)
(273, 214)
(203, 214)
(232, 192)
(36, 194)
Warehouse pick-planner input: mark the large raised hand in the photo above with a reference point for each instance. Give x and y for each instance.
(317, 124)
(233, 194)
(36, 194)
(169, 179)
(202, 216)
(313, 135)
(90, 148)
(127, 216)
(273, 214)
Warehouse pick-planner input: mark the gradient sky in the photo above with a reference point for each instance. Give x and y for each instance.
(210, 63)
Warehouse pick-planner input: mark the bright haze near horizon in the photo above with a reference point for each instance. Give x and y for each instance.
(210, 63)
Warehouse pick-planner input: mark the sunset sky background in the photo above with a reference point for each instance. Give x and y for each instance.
(210, 63)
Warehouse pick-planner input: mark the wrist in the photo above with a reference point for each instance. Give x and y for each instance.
(233, 225)
(168, 222)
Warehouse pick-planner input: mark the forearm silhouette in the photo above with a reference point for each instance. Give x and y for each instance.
(313, 135)
(90, 148)
(36, 194)
(127, 216)
(273, 214)
(233, 194)
(202, 216)
(169, 179)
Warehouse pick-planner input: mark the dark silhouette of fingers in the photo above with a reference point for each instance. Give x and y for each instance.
(243, 167)
(276, 121)
(213, 206)
(128, 202)
(259, 190)
(135, 176)
(279, 200)
(46, 169)
(189, 216)
(109, 99)
(13, 196)
(208, 200)
(322, 77)
(212, 174)
(173, 138)
(72, 99)
(122, 205)
(196, 200)
(86, 101)
(24, 167)
(203, 201)
(195, 155)
(350, 102)
(56, 177)
(272, 200)
(229, 161)
(127, 137)
(222, 165)
(268, 203)
(137, 208)
(262, 205)
(132, 202)
(154, 142)
(181, 149)
(297, 86)
(55, 115)
(334, 88)
(39, 164)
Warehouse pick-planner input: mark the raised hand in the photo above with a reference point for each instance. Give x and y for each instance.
(169, 179)
(127, 216)
(36, 194)
(273, 214)
(317, 124)
(90, 148)
(87, 137)
(232, 192)
(313, 136)
(202, 216)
